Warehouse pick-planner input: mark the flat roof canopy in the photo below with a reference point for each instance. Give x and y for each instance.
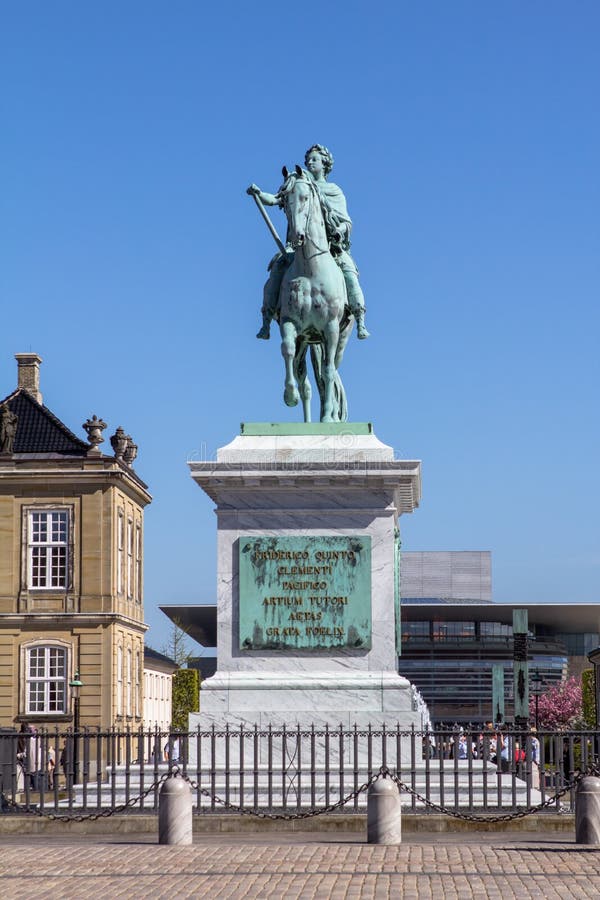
(198, 621)
(569, 618)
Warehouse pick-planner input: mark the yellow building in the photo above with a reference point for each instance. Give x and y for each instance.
(71, 575)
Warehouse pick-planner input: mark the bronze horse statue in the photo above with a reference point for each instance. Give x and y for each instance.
(313, 309)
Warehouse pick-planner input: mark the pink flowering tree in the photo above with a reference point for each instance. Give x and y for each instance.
(560, 706)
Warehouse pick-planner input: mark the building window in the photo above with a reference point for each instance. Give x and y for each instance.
(46, 684)
(416, 631)
(495, 631)
(448, 630)
(120, 549)
(136, 694)
(128, 707)
(119, 681)
(129, 559)
(138, 563)
(48, 539)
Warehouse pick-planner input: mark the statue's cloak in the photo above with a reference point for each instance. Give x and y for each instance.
(335, 210)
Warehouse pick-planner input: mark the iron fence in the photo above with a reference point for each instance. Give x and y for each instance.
(293, 769)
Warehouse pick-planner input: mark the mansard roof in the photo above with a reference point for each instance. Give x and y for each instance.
(39, 430)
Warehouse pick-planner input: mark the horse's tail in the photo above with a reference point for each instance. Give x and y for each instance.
(340, 404)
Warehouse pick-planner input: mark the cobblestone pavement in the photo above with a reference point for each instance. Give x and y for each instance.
(305, 867)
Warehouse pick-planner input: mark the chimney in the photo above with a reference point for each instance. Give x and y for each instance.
(28, 370)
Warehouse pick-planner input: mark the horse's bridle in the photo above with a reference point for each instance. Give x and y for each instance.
(320, 250)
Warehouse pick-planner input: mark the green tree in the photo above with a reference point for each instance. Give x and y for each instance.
(588, 690)
(186, 697)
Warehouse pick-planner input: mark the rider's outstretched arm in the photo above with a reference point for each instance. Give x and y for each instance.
(267, 199)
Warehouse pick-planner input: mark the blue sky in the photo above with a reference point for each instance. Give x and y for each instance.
(466, 137)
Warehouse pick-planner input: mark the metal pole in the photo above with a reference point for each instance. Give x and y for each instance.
(76, 741)
(521, 669)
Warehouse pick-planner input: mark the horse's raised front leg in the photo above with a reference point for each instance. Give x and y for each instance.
(332, 336)
(288, 351)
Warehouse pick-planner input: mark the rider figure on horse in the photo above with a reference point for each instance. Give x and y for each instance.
(319, 162)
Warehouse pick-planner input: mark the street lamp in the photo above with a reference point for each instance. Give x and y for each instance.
(536, 690)
(75, 684)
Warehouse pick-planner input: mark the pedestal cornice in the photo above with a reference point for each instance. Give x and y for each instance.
(271, 456)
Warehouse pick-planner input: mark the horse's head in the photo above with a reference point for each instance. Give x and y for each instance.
(297, 193)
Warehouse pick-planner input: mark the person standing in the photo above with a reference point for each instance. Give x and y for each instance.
(505, 751)
(172, 750)
(23, 755)
(51, 767)
(534, 743)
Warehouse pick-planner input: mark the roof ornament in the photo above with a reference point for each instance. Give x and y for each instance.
(118, 442)
(130, 451)
(8, 429)
(124, 447)
(94, 428)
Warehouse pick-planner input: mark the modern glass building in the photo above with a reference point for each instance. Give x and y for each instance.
(453, 635)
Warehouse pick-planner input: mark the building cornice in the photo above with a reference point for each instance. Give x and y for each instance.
(69, 620)
(73, 469)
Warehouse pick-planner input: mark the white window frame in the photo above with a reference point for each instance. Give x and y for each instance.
(119, 681)
(49, 548)
(46, 653)
(138, 563)
(128, 684)
(129, 559)
(120, 549)
(136, 695)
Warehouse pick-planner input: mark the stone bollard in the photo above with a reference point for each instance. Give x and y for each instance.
(175, 812)
(384, 813)
(587, 811)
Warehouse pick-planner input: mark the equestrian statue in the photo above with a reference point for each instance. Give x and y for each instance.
(313, 290)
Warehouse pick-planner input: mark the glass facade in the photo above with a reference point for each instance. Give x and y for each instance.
(453, 631)
(445, 630)
(451, 663)
(495, 631)
(579, 644)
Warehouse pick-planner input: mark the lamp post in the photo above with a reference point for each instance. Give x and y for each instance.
(75, 684)
(537, 682)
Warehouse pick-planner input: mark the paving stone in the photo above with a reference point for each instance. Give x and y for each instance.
(233, 868)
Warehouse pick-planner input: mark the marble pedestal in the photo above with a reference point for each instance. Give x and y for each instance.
(301, 481)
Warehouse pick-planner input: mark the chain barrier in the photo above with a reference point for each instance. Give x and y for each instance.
(485, 817)
(88, 817)
(383, 772)
(259, 814)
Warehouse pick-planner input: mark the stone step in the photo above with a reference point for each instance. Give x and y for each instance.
(462, 795)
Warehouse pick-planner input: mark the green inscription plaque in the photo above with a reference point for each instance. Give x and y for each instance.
(305, 593)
